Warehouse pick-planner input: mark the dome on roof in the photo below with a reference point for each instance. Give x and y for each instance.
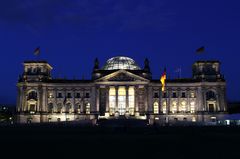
(121, 62)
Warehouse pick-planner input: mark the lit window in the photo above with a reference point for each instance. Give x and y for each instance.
(174, 107)
(121, 100)
(112, 100)
(88, 108)
(192, 107)
(50, 95)
(213, 119)
(183, 106)
(131, 100)
(155, 108)
(194, 119)
(192, 95)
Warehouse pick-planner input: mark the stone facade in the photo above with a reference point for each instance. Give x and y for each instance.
(121, 89)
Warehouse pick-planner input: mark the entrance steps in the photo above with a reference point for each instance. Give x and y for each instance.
(122, 122)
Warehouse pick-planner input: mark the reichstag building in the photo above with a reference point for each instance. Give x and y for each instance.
(121, 89)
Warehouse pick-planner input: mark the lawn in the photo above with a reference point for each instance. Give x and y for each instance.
(61, 140)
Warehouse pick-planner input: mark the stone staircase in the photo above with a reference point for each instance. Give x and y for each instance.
(122, 122)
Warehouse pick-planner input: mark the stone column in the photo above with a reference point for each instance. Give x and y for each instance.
(24, 100)
(74, 101)
(136, 101)
(217, 102)
(116, 106)
(160, 106)
(82, 105)
(92, 94)
(205, 108)
(188, 106)
(223, 99)
(146, 99)
(19, 101)
(127, 99)
(44, 99)
(39, 101)
(55, 99)
(107, 99)
(97, 99)
(199, 106)
(179, 94)
(169, 97)
(150, 99)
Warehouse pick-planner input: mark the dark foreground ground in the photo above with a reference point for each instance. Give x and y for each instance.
(74, 141)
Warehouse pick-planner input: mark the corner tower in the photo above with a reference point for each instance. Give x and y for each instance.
(35, 71)
(207, 70)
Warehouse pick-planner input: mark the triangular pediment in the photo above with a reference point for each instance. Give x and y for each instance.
(122, 75)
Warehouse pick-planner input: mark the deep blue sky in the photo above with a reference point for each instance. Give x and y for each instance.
(72, 33)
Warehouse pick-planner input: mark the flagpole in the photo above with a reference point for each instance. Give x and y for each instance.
(180, 72)
(37, 53)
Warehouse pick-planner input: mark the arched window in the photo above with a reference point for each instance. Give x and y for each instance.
(77, 108)
(32, 95)
(164, 107)
(183, 107)
(155, 108)
(59, 108)
(174, 107)
(68, 107)
(192, 107)
(32, 108)
(210, 95)
(50, 107)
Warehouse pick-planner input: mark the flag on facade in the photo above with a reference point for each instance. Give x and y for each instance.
(200, 50)
(37, 51)
(163, 79)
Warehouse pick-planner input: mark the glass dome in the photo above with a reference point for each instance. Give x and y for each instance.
(121, 62)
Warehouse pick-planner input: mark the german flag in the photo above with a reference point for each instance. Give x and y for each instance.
(200, 50)
(163, 79)
(37, 51)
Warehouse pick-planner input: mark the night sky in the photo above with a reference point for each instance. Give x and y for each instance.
(73, 33)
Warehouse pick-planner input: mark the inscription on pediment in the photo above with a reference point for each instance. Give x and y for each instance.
(122, 77)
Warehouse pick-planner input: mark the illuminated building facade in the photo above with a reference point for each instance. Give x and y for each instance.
(121, 89)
